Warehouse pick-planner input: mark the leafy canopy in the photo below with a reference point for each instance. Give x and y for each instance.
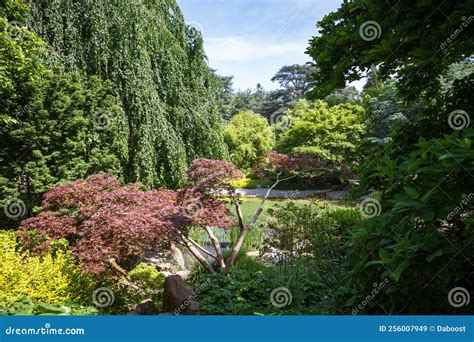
(328, 133)
(249, 138)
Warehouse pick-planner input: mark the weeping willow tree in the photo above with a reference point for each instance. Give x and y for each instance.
(158, 69)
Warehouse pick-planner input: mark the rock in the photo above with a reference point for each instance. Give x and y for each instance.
(178, 297)
(145, 308)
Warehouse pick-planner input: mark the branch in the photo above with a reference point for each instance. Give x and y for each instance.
(217, 246)
(245, 228)
(197, 254)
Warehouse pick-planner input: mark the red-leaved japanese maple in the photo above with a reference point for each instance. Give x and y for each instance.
(279, 167)
(109, 224)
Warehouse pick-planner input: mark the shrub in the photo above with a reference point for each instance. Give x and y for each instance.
(312, 244)
(25, 307)
(150, 281)
(249, 138)
(419, 243)
(329, 133)
(301, 170)
(49, 278)
(103, 220)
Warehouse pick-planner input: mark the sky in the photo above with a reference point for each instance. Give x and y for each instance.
(252, 39)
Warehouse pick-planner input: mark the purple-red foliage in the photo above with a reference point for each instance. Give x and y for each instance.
(285, 165)
(209, 173)
(103, 220)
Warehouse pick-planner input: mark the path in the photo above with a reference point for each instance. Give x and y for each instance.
(294, 194)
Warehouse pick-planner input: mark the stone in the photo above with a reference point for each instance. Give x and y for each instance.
(145, 308)
(178, 297)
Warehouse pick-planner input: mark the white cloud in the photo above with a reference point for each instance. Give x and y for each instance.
(238, 49)
(252, 60)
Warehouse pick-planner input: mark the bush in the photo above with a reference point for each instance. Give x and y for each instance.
(249, 138)
(247, 183)
(312, 244)
(103, 220)
(150, 281)
(49, 278)
(301, 171)
(419, 243)
(328, 133)
(26, 307)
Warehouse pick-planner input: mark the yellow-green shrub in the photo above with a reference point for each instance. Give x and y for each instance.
(45, 279)
(245, 183)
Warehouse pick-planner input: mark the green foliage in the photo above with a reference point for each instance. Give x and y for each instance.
(150, 281)
(249, 138)
(345, 95)
(51, 278)
(312, 243)
(420, 241)
(160, 75)
(71, 128)
(329, 133)
(21, 52)
(409, 40)
(26, 307)
(384, 112)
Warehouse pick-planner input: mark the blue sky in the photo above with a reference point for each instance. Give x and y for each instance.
(251, 40)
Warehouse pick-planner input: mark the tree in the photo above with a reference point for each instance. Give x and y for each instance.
(249, 137)
(328, 133)
(72, 127)
(108, 224)
(346, 95)
(295, 78)
(414, 41)
(160, 75)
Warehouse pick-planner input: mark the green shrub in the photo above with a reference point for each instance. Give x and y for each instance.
(420, 241)
(312, 244)
(150, 285)
(249, 138)
(26, 307)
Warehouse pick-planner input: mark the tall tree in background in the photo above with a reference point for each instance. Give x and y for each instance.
(51, 128)
(295, 78)
(159, 71)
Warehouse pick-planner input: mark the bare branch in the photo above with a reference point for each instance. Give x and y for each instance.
(217, 246)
